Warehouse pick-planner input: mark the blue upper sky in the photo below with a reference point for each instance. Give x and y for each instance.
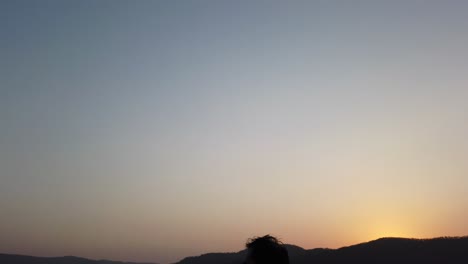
(153, 130)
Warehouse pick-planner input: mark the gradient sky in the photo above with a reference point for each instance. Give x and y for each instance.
(155, 130)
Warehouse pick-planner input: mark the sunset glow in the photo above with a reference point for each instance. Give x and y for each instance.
(156, 130)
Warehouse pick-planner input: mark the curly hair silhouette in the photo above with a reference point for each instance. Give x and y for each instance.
(266, 250)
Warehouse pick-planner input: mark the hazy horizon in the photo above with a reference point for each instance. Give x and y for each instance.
(288, 247)
(155, 130)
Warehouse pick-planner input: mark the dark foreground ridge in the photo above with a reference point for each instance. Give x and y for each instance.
(20, 259)
(446, 250)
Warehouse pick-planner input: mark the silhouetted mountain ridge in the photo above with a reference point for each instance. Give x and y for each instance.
(447, 250)
(21, 259)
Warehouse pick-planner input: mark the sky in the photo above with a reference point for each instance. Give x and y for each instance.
(156, 130)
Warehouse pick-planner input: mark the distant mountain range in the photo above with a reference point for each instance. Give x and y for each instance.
(20, 259)
(444, 250)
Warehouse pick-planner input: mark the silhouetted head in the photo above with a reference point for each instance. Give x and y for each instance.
(266, 250)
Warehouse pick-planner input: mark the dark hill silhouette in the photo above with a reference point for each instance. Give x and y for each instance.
(446, 250)
(20, 259)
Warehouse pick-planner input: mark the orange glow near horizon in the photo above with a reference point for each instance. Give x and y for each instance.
(149, 131)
